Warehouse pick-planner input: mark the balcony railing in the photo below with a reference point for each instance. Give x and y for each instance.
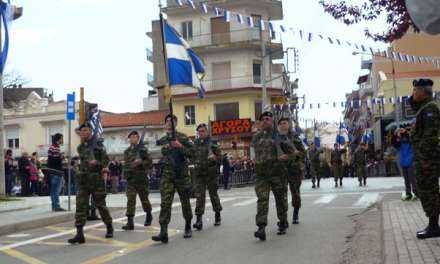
(243, 35)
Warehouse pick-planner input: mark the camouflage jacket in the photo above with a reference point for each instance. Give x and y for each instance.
(313, 155)
(264, 147)
(360, 158)
(296, 161)
(173, 158)
(425, 136)
(336, 158)
(202, 150)
(138, 174)
(86, 174)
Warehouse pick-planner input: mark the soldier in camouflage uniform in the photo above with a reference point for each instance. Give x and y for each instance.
(206, 160)
(360, 161)
(294, 165)
(336, 161)
(93, 164)
(270, 175)
(175, 177)
(137, 162)
(313, 156)
(425, 139)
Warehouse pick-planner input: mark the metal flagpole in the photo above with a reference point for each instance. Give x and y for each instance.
(69, 165)
(2, 134)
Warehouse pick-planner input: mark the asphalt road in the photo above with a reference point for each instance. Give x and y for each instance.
(320, 237)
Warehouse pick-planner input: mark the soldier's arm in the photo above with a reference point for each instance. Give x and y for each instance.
(147, 161)
(430, 134)
(216, 150)
(188, 147)
(127, 161)
(105, 160)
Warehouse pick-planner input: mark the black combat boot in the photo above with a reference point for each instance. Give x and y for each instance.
(130, 224)
(93, 216)
(365, 182)
(336, 184)
(199, 223)
(218, 219)
(340, 182)
(282, 227)
(261, 233)
(188, 231)
(433, 229)
(295, 216)
(163, 235)
(79, 237)
(317, 185)
(109, 233)
(360, 183)
(148, 219)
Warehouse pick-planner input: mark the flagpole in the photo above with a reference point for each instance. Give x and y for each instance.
(2, 134)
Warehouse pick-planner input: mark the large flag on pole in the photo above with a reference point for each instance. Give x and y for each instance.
(185, 68)
(7, 13)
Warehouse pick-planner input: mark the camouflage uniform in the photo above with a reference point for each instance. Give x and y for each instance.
(175, 176)
(270, 174)
(137, 178)
(91, 183)
(425, 140)
(313, 155)
(360, 161)
(336, 161)
(206, 176)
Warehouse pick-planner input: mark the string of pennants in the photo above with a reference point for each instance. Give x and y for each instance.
(309, 36)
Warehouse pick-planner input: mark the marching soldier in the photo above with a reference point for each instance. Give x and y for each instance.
(137, 162)
(270, 175)
(336, 161)
(93, 164)
(294, 164)
(207, 158)
(425, 138)
(176, 150)
(313, 155)
(360, 161)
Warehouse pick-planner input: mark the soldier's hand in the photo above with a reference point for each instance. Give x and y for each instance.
(93, 163)
(176, 144)
(284, 157)
(136, 163)
(212, 157)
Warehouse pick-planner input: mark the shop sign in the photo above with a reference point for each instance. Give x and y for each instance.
(231, 127)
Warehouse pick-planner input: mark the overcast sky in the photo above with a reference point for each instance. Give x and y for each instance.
(62, 45)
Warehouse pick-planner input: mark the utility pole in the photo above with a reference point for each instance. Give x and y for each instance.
(17, 14)
(397, 107)
(263, 71)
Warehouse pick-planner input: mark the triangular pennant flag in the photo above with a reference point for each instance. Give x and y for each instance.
(179, 2)
(330, 40)
(282, 28)
(250, 21)
(310, 37)
(227, 16)
(338, 41)
(262, 25)
(321, 36)
(356, 46)
(301, 34)
(191, 3)
(363, 48)
(217, 11)
(240, 18)
(271, 31)
(348, 43)
(204, 8)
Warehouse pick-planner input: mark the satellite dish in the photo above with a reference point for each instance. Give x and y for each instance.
(425, 14)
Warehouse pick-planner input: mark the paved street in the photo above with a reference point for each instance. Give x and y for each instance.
(320, 237)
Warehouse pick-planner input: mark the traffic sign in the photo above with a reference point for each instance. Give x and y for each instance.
(70, 111)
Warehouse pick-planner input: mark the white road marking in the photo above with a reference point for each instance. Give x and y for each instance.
(325, 199)
(18, 235)
(367, 199)
(246, 202)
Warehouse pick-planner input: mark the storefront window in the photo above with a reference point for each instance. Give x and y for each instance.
(228, 111)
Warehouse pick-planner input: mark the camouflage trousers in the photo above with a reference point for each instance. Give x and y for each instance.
(361, 174)
(270, 177)
(168, 186)
(132, 191)
(295, 187)
(315, 174)
(337, 172)
(428, 187)
(203, 181)
(98, 195)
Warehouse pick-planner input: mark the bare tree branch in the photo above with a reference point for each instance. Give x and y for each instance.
(14, 79)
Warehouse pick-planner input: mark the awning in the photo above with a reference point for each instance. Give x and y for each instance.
(393, 125)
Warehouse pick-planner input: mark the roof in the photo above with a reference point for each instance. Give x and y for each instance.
(12, 96)
(152, 118)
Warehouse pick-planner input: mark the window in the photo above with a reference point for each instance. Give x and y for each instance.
(221, 75)
(12, 138)
(190, 115)
(228, 111)
(187, 30)
(256, 19)
(52, 130)
(258, 109)
(257, 72)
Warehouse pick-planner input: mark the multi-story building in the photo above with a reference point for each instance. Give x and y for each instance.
(232, 56)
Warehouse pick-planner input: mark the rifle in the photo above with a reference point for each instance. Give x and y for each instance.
(275, 134)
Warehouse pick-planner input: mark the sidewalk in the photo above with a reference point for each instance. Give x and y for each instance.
(401, 221)
(34, 212)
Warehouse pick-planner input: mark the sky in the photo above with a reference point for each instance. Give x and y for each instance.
(62, 45)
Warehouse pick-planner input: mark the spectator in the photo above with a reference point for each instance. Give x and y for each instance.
(226, 171)
(33, 174)
(402, 143)
(74, 167)
(23, 170)
(9, 166)
(55, 164)
(390, 161)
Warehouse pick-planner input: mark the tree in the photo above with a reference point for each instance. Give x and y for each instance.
(397, 16)
(14, 79)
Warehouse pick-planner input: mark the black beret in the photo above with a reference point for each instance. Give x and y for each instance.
(283, 119)
(86, 124)
(169, 116)
(134, 132)
(265, 113)
(200, 126)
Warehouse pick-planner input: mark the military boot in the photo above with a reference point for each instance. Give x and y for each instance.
(163, 235)
(130, 224)
(188, 231)
(93, 216)
(109, 233)
(295, 220)
(199, 223)
(148, 219)
(317, 185)
(433, 229)
(261, 233)
(365, 182)
(79, 237)
(282, 227)
(336, 184)
(218, 219)
(340, 182)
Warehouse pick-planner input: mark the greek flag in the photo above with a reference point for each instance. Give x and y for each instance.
(184, 66)
(6, 15)
(316, 137)
(95, 121)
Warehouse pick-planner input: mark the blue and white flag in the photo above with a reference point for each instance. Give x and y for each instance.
(227, 16)
(184, 66)
(282, 28)
(240, 18)
(316, 138)
(217, 11)
(250, 21)
(191, 3)
(204, 8)
(95, 121)
(179, 2)
(262, 25)
(7, 12)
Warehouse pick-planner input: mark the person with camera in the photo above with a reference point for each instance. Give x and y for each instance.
(406, 156)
